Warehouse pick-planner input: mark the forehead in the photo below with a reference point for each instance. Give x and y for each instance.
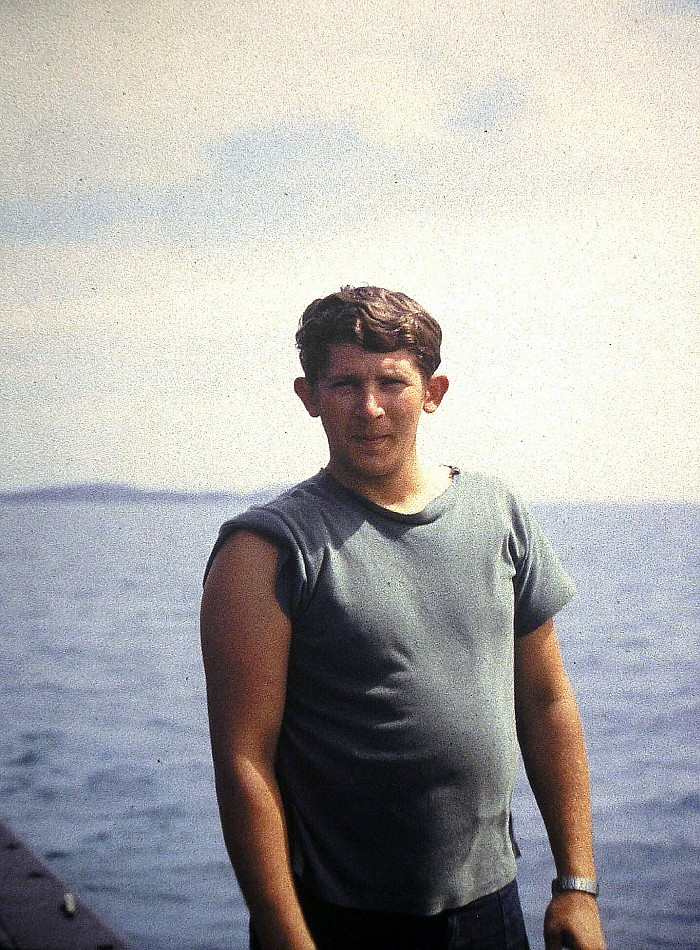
(347, 358)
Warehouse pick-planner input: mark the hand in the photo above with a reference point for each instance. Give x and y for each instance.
(572, 920)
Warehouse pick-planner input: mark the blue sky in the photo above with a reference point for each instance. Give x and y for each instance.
(178, 180)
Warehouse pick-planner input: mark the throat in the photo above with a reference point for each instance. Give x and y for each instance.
(404, 495)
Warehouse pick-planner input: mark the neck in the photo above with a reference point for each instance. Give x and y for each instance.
(407, 492)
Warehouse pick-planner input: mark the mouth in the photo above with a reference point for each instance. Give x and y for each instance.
(370, 441)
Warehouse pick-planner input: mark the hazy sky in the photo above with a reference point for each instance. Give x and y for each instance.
(179, 179)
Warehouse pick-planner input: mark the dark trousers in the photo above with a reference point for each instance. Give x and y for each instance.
(494, 922)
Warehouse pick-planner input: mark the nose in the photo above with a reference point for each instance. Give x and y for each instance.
(370, 406)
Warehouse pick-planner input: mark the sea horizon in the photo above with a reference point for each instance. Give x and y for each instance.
(114, 490)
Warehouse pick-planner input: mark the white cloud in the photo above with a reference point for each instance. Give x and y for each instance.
(105, 92)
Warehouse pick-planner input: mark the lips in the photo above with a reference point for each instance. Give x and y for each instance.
(370, 443)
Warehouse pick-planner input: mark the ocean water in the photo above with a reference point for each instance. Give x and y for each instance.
(104, 750)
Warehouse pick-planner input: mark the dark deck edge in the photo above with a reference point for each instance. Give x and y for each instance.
(40, 911)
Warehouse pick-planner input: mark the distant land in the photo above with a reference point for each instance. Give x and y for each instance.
(119, 493)
(115, 492)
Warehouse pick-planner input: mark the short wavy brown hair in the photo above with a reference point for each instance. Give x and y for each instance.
(378, 320)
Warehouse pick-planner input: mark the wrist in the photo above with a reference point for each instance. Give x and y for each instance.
(571, 883)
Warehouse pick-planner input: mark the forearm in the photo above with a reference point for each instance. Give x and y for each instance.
(255, 834)
(554, 755)
(551, 740)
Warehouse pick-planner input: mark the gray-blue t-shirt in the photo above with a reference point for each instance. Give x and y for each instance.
(397, 754)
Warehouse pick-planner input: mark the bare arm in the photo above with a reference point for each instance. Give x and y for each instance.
(245, 646)
(554, 753)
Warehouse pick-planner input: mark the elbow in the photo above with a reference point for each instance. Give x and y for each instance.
(244, 786)
(546, 710)
(537, 700)
(242, 776)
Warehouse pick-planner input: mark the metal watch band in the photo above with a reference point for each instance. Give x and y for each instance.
(563, 883)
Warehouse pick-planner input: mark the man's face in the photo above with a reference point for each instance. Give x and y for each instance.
(370, 405)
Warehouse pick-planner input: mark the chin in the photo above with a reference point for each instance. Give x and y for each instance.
(372, 469)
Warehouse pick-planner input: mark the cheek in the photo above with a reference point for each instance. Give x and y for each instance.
(409, 407)
(333, 417)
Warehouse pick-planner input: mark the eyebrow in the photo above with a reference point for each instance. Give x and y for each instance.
(389, 375)
(341, 377)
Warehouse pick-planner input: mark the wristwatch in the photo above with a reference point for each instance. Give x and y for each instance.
(564, 883)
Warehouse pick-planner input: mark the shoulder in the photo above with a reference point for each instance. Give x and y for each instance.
(239, 564)
(272, 514)
(293, 520)
(295, 514)
(500, 511)
(486, 493)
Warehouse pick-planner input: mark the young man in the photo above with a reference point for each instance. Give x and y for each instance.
(377, 641)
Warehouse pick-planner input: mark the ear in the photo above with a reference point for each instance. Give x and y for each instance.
(435, 389)
(307, 393)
